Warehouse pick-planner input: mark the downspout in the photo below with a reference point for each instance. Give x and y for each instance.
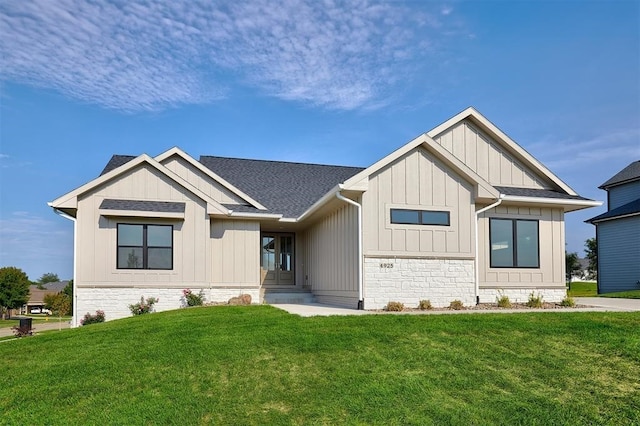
(359, 207)
(74, 318)
(476, 263)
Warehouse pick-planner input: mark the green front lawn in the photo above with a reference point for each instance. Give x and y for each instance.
(583, 289)
(631, 294)
(259, 365)
(588, 289)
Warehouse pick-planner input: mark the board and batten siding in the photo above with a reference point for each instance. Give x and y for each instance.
(330, 257)
(623, 194)
(201, 181)
(97, 235)
(550, 274)
(235, 253)
(486, 157)
(619, 254)
(418, 181)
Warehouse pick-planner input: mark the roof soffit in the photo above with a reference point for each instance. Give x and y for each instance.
(500, 137)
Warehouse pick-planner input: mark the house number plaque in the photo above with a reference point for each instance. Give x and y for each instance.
(386, 265)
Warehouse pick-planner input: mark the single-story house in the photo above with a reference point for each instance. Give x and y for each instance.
(36, 296)
(460, 212)
(618, 232)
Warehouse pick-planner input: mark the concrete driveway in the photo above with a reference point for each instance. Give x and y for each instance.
(610, 303)
(44, 326)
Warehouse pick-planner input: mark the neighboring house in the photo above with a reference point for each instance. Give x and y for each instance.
(618, 232)
(36, 296)
(461, 212)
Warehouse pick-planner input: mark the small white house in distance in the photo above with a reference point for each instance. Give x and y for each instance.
(461, 212)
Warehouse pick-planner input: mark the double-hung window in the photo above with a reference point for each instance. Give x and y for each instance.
(145, 246)
(515, 243)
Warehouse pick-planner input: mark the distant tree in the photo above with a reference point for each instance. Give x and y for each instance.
(591, 249)
(68, 290)
(572, 265)
(49, 277)
(14, 289)
(59, 304)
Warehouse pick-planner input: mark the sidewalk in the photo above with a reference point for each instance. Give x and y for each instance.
(591, 304)
(52, 324)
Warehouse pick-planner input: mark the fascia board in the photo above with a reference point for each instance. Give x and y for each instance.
(510, 144)
(136, 213)
(177, 151)
(70, 199)
(388, 159)
(613, 218)
(483, 188)
(315, 206)
(570, 204)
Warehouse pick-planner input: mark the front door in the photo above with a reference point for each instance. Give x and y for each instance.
(277, 259)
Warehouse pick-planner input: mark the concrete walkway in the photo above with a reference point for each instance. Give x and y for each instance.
(610, 303)
(591, 304)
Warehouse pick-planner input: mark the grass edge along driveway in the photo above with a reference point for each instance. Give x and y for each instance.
(259, 365)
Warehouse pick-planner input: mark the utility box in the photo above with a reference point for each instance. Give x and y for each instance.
(26, 324)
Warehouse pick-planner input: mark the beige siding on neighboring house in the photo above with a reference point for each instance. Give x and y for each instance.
(418, 181)
(486, 157)
(235, 252)
(201, 181)
(97, 234)
(550, 274)
(330, 257)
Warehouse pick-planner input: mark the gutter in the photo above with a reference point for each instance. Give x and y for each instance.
(74, 313)
(359, 207)
(476, 263)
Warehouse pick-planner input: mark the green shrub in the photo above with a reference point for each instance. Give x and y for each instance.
(535, 301)
(192, 298)
(425, 305)
(456, 305)
(568, 302)
(394, 307)
(92, 319)
(503, 301)
(143, 307)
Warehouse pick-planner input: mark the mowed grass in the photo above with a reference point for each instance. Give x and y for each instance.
(631, 294)
(590, 289)
(583, 289)
(259, 365)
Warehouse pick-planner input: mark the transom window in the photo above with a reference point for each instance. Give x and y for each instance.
(514, 243)
(145, 246)
(419, 217)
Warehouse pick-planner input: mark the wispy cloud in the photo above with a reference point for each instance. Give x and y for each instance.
(148, 55)
(570, 155)
(35, 244)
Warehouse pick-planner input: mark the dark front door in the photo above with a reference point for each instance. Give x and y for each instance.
(276, 260)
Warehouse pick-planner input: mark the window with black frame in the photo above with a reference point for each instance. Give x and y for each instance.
(514, 243)
(145, 246)
(420, 217)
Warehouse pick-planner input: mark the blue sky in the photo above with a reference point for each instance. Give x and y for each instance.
(312, 81)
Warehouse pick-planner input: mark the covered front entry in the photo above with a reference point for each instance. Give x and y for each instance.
(276, 259)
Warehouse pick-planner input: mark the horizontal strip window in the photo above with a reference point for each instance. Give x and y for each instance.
(515, 243)
(420, 217)
(145, 246)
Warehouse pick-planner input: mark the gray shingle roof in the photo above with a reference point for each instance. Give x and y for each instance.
(143, 206)
(629, 173)
(537, 193)
(283, 187)
(624, 210)
(116, 161)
